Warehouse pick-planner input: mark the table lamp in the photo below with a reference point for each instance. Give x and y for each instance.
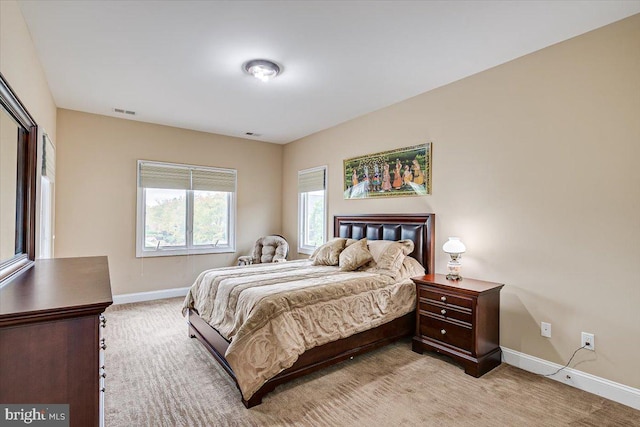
(455, 248)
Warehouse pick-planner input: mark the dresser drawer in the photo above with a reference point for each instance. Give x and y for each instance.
(446, 312)
(447, 332)
(445, 298)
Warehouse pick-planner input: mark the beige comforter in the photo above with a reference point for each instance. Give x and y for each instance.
(272, 313)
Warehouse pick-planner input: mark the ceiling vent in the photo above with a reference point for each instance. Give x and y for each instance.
(122, 111)
(252, 134)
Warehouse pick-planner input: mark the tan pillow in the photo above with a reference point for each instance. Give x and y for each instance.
(407, 246)
(328, 253)
(388, 255)
(410, 268)
(349, 242)
(355, 256)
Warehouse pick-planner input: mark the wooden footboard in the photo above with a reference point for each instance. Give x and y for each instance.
(313, 359)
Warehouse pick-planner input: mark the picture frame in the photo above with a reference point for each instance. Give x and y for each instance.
(400, 172)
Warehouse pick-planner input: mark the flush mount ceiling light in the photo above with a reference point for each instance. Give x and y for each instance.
(262, 69)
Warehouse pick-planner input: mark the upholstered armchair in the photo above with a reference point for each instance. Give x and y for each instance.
(272, 248)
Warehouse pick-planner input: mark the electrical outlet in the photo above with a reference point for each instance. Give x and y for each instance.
(545, 329)
(588, 341)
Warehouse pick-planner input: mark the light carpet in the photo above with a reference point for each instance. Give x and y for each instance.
(158, 376)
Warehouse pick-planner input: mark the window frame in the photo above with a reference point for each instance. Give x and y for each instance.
(189, 248)
(25, 222)
(303, 219)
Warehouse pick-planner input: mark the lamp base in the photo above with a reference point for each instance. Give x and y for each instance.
(453, 268)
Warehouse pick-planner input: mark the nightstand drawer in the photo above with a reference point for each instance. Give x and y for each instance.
(447, 332)
(447, 312)
(445, 298)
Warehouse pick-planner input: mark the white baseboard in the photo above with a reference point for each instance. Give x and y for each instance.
(590, 383)
(150, 296)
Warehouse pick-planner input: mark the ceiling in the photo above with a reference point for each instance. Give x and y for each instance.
(179, 63)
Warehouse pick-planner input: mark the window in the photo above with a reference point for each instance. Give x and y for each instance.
(312, 208)
(47, 197)
(184, 209)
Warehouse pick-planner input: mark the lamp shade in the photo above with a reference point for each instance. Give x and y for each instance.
(454, 246)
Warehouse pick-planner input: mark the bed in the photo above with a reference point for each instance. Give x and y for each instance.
(351, 340)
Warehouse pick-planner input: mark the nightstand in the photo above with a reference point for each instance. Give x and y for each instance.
(460, 319)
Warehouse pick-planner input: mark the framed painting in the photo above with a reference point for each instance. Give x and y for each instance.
(394, 173)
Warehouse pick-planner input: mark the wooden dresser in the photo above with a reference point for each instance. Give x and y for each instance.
(460, 319)
(50, 336)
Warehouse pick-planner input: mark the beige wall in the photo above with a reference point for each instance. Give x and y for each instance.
(535, 168)
(19, 64)
(96, 194)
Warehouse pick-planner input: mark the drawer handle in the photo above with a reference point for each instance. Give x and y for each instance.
(103, 345)
(443, 311)
(443, 298)
(442, 331)
(103, 375)
(103, 389)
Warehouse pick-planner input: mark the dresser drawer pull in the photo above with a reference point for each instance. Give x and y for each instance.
(443, 299)
(103, 389)
(443, 331)
(443, 311)
(103, 375)
(103, 345)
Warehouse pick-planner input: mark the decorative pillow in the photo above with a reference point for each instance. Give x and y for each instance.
(349, 242)
(328, 253)
(407, 246)
(388, 255)
(410, 268)
(355, 256)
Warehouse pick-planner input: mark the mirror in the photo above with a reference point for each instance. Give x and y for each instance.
(18, 137)
(8, 184)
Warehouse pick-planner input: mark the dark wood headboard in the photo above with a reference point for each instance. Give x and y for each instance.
(417, 227)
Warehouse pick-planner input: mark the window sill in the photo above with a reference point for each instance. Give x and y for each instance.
(306, 250)
(183, 252)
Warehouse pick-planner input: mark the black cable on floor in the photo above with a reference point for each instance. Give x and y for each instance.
(574, 353)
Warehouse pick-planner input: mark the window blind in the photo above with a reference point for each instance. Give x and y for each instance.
(214, 180)
(153, 175)
(311, 180)
(177, 177)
